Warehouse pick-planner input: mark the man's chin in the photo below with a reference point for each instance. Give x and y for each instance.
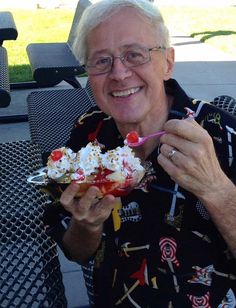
(123, 113)
(127, 120)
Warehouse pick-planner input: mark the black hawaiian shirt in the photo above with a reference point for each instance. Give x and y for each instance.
(160, 247)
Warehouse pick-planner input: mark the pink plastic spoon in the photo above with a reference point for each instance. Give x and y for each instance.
(133, 140)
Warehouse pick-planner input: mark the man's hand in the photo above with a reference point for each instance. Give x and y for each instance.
(88, 211)
(84, 234)
(193, 164)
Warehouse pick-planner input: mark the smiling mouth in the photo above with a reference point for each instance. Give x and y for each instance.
(125, 93)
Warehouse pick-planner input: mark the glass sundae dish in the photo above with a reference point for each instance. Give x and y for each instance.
(114, 172)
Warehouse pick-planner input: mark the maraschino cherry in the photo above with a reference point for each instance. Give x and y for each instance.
(56, 155)
(132, 137)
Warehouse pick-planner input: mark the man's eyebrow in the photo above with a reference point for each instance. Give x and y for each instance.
(109, 52)
(100, 52)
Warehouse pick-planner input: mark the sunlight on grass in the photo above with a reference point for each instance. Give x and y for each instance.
(19, 71)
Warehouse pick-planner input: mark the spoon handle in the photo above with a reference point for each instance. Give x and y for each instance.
(144, 139)
(160, 133)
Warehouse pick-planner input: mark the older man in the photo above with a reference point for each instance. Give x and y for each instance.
(175, 243)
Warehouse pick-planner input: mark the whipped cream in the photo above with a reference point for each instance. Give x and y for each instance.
(88, 158)
(122, 161)
(64, 165)
(56, 168)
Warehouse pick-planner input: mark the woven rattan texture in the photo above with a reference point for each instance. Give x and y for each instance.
(52, 114)
(4, 77)
(51, 117)
(225, 102)
(88, 279)
(29, 267)
(89, 91)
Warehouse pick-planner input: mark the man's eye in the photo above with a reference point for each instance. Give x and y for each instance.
(103, 61)
(134, 55)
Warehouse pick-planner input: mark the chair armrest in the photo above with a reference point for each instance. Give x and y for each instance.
(8, 29)
(5, 97)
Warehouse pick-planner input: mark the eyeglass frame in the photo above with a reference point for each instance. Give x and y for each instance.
(122, 58)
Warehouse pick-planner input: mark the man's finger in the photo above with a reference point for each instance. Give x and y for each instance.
(186, 129)
(69, 193)
(88, 198)
(105, 206)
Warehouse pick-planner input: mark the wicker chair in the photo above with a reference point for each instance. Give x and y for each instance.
(29, 266)
(5, 96)
(8, 31)
(53, 62)
(51, 117)
(52, 114)
(225, 102)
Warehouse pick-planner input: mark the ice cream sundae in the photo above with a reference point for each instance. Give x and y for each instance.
(116, 171)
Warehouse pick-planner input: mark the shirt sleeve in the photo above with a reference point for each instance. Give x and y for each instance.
(56, 221)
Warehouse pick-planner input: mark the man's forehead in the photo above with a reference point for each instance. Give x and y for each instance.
(119, 33)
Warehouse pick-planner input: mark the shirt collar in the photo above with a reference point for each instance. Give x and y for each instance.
(181, 99)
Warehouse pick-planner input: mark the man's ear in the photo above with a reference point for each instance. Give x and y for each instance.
(169, 62)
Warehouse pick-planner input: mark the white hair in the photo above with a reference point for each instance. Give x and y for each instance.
(104, 9)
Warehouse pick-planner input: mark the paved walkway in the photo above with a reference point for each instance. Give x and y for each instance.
(202, 70)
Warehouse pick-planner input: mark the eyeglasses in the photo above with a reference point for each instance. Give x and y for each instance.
(130, 58)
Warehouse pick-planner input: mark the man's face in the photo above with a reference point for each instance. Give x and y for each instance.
(134, 95)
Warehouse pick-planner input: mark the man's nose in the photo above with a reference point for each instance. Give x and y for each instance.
(119, 71)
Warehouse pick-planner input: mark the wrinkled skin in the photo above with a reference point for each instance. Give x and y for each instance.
(194, 166)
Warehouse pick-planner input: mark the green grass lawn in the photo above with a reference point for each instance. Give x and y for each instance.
(215, 26)
(35, 26)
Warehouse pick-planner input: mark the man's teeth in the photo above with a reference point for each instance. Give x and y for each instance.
(126, 92)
